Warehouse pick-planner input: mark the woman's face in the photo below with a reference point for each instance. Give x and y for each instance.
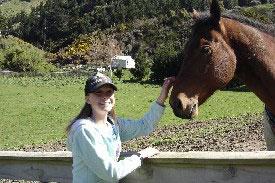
(102, 100)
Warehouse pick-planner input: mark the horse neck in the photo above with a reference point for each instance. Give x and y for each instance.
(255, 56)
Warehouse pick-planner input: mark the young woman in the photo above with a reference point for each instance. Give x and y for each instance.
(95, 135)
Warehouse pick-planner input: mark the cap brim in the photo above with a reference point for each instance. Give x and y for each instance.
(103, 84)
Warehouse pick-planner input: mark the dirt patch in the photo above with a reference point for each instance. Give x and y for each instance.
(243, 133)
(231, 134)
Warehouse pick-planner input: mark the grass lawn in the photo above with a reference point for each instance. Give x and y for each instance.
(36, 110)
(13, 7)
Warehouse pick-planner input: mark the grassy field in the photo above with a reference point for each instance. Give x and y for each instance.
(12, 7)
(36, 110)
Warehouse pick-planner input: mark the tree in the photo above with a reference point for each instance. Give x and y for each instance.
(142, 65)
(118, 72)
(4, 25)
(243, 2)
(265, 1)
(166, 63)
(230, 4)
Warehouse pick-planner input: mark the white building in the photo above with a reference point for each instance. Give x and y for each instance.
(125, 62)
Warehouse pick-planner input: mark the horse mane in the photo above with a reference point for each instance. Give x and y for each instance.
(204, 19)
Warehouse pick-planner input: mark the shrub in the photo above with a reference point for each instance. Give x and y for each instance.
(142, 65)
(21, 56)
(166, 63)
(256, 15)
(4, 25)
(230, 4)
(118, 72)
(96, 48)
(264, 13)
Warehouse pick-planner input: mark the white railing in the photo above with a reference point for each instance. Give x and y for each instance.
(186, 167)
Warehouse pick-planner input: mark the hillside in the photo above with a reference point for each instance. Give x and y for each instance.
(91, 32)
(148, 35)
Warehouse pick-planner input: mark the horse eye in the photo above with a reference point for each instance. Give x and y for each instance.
(206, 50)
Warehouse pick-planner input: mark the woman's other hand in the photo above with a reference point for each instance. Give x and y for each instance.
(148, 152)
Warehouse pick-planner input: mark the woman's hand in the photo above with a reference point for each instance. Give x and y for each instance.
(167, 84)
(148, 152)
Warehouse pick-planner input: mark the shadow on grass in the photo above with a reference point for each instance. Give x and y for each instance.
(242, 88)
(144, 82)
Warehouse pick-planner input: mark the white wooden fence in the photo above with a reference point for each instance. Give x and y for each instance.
(186, 167)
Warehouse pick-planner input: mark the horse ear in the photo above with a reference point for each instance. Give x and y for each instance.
(215, 11)
(195, 14)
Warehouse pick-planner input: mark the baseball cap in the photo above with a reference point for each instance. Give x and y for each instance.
(96, 81)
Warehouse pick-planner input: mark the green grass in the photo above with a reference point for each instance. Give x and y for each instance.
(12, 7)
(36, 110)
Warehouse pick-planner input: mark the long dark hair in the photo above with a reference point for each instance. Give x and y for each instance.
(85, 112)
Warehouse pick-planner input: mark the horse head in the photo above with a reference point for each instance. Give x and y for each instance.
(209, 64)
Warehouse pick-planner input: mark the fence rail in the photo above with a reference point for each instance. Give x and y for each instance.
(186, 167)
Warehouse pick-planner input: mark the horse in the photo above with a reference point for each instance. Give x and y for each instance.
(221, 47)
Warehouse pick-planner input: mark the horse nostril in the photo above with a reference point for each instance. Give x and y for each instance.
(178, 106)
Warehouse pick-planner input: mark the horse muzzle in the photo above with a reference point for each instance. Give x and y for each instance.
(185, 109)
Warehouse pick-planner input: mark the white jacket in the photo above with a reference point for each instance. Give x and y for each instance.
(95, 151)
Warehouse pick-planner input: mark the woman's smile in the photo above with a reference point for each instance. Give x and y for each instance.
(106, 103)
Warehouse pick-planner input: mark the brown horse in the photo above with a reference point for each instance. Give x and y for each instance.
(219, 48)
